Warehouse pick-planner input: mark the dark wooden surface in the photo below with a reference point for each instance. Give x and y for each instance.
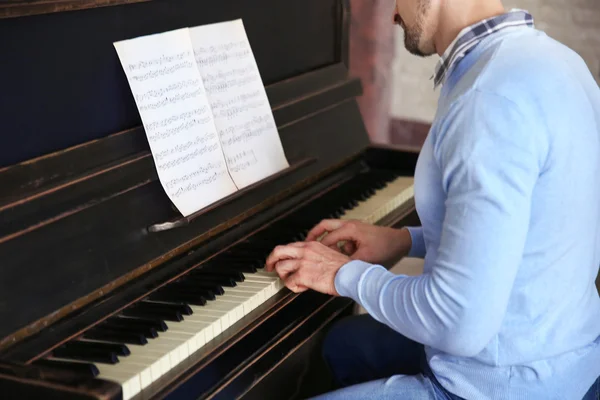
(63, 85)
(20, 8)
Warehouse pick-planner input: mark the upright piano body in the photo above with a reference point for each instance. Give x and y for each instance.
(87, 233)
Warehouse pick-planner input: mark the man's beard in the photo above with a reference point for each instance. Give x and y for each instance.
(412, 39)
(412, 35)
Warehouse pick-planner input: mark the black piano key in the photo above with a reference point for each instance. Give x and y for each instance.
(143, 323)
(117, 348)
(236, 264)
(351, 204)
(208, 294)
(176, 296)
(82, 368)
(222, 281)
(200, 285)
(363, 196)
(240, 263)
(184, 309)
(237, 276)
(189, 287)
(146, 331)
(104, 358)
(211, 279)
(241, 267)
(246, 253)
(146, 310)
(115, 335)
(336, 214)
(119, 335)
(91, 351)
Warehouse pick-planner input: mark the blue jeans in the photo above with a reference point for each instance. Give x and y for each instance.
(370, 361)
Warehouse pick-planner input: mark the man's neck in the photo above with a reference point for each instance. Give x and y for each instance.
(457, 15)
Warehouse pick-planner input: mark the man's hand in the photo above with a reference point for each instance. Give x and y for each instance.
(307, 265)
(369, 243)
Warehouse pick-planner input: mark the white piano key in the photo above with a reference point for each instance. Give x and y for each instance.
(383, 202)
(212, 322)
(127, 378)
(234, 311)
(152, 360)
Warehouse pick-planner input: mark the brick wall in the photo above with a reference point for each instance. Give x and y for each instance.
(576, 23)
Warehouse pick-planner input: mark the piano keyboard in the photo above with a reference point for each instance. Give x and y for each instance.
(148, 339)
(385, 201)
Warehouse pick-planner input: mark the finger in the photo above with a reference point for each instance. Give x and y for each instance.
(297, 244)
(295, 284)
(346, 233)
(282, 253)
(327, 225)
(349, 248)
(286, 267)
(335, 247)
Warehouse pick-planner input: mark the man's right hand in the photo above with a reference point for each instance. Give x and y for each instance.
(365, 242)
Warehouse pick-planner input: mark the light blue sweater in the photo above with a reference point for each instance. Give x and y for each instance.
(507, 187)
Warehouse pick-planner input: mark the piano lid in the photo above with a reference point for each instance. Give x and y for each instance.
(79, 186)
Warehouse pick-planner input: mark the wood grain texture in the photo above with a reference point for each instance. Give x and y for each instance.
(28, 381)
(371, 56)
(19, 8)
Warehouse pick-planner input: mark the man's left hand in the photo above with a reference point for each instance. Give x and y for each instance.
(307, 265)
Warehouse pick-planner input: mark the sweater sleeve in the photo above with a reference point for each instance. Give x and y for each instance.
(490, 156)
(418, 242)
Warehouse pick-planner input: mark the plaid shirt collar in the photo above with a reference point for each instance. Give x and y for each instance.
(470, 36)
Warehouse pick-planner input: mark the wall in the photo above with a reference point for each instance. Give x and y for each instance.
(576, 23)
(371, 54)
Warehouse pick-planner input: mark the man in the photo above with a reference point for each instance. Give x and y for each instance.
(507, 191)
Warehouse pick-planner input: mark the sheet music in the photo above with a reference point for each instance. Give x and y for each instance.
(176, 114)
(239, 102)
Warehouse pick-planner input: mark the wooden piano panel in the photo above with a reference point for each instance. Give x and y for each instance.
(20, 8)
(62, 82)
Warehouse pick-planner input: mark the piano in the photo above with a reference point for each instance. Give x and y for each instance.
(107, 292)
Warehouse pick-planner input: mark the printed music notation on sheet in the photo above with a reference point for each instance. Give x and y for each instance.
(242, 160)
(205, 111)
(238, 98)
(170, 96)
(246, 131)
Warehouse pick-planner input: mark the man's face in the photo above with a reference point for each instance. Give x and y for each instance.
(414, 16)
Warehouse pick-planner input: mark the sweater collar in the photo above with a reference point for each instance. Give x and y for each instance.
(470, 36)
